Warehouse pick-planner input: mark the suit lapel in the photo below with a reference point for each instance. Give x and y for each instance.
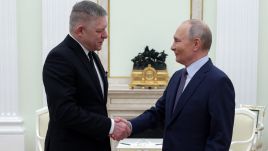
(190, 89)
(78, 50)
(173, 87)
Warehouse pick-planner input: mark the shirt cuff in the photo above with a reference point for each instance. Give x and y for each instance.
(129, 125)
(112, 126)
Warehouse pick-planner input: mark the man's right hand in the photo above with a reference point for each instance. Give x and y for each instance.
(122, 129)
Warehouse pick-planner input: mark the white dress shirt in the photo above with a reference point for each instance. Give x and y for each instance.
(193, 68)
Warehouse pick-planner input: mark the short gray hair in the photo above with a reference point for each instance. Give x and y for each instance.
(200, 29)
(83, 11)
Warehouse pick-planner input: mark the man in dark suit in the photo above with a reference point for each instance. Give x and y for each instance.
(76, 86)
(200, 116)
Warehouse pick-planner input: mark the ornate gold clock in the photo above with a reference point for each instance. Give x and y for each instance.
(149, 78)
(149, 70)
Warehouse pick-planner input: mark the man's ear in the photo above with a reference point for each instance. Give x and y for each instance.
(79, 30)
(197, 44)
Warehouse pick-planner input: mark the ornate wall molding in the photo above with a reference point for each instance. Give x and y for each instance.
(237, 45)
(197, 9)
(8, 60)
(11, 128)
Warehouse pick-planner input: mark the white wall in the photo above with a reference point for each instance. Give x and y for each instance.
(262, 95)
(30, 66)
(137, 24)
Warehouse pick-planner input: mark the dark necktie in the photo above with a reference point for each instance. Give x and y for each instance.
(92, 66)
(180, 89)
(92, 58)
(90, 55)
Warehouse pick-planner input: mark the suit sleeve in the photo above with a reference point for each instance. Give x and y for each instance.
(153, 116)
(60, 86)
(221, 110)
(150, 118)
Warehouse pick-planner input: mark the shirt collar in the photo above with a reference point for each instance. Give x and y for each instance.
(194, 67)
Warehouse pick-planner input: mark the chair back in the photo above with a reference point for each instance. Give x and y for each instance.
(260, 112)
(244, 130)
(42, 119)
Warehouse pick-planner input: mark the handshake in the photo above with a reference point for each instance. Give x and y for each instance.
(122, 129)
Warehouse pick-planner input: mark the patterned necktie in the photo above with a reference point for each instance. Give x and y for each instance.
(180, 89)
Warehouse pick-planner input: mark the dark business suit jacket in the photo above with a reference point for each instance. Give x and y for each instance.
(203, 118)
(77, 107)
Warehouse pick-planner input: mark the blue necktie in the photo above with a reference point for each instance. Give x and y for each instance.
(180, 89)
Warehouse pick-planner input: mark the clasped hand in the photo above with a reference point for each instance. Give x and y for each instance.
(122, 129)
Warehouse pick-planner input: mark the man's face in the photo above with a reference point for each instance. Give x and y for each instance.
(94, 33)
(182, 45)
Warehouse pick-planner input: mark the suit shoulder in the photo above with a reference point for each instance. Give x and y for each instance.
(218, 77)
(61, 52)
(60, 49)
(65, 47)
(218, 72)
